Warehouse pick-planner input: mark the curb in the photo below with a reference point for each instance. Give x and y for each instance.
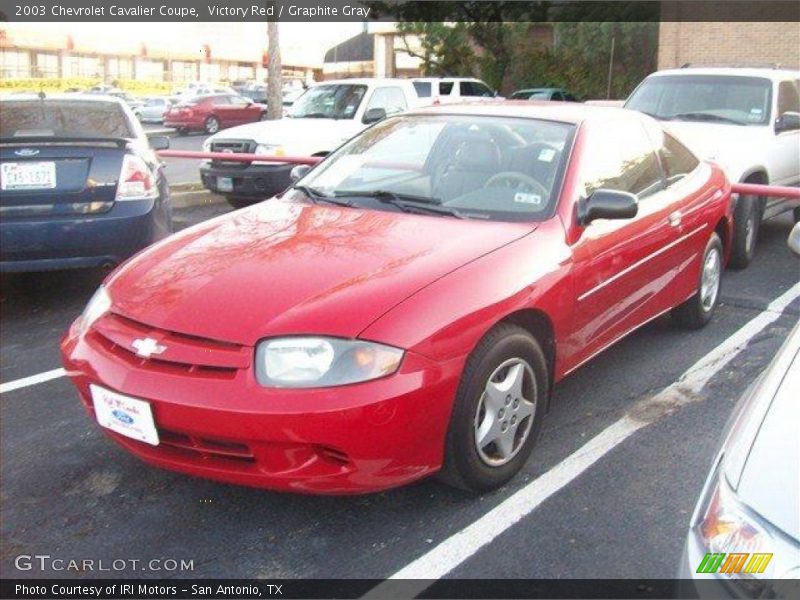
(192, 198)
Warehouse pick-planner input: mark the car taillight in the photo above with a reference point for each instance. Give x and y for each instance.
(136, 180)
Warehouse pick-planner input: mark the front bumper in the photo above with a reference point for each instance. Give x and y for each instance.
(224, 426)
(64, 242)
(249, 180)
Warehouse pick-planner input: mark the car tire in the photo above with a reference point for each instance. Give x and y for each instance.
(263, 116)
(746, 223)
(506, 352)
(211, 125)
(796, 214)
(697, 311)
(240, 201)
(182, 131)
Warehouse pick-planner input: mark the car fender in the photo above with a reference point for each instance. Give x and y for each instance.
(453, 313)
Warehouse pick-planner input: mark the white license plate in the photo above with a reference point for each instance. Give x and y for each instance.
(28, 175)
(225, 184)
(125, 415)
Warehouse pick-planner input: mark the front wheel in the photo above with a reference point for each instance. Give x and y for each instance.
(498, 410)
(746, 221)
(697, 311)
(212, 125)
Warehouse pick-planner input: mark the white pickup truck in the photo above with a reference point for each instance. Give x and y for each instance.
(319, 121)
(745, 119)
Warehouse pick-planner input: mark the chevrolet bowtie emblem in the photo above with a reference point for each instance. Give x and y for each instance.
(147, 347)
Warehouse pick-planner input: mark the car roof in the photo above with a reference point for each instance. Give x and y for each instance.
(731, 71)
(565, 112)
(539, 89)
(364, 81)
(32, 97)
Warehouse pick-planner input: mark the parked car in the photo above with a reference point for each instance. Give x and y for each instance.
(212, 113)
(407, 306)
(153, 109)
(256, 92)
(554, 94)
(747, 120)
(81, 185)
(319, 121)
(744, 535)
(451, 89)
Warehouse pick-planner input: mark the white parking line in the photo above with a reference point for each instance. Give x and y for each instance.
(32, 380)
(453, 551)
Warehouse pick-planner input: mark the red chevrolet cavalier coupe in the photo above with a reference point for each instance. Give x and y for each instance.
(407, 306)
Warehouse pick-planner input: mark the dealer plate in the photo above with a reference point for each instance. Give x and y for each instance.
(225, 184)
(127, 416)
(40, 175)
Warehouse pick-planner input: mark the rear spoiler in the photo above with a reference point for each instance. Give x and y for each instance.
(119, 142)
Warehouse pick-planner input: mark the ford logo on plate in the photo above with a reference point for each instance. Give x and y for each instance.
(26, 152)
(121, 415)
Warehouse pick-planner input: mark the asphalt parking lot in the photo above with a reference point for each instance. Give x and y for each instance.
(69, 492)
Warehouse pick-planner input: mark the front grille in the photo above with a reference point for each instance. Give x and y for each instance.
(181, 353)
(235, 147)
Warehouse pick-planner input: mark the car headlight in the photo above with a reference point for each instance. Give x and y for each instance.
(207, 145)
(304, 362)
(99, 304)
(732, 536)
(270, 149)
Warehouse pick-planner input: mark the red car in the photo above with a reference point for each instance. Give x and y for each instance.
(213, 112)
(407, 306)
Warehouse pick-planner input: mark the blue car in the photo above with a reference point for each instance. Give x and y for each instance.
(80, 183)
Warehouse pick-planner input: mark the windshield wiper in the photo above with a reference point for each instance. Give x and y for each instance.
(405, 202)
(701, 116)
(314, 115)
(317, 196)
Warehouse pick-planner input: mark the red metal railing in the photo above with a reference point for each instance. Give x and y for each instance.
(750, 189)
(757, 189)
(231, 157)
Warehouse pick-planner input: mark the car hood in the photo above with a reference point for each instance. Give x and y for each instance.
(296, 135)
(770, 481)
(762, 448)
(717, 141)
(285, 267)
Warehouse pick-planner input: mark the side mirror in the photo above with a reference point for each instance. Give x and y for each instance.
(298, 172)
(159, 142)
(794, 239)
(373, 115)
(788, 121)
(607, 204)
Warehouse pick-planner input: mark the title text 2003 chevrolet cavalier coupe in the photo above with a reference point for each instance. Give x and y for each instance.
(407, 306)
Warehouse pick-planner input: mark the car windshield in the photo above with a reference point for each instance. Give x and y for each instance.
(63, 118)
(712, 98)
(507, 169)
(337, 101)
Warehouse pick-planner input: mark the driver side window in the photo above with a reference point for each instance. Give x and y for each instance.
(390, 99)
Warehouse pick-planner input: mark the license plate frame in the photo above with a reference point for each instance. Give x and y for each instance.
(128, 416)
(40, 175)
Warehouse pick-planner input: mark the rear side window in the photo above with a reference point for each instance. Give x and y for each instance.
(620, 156)
(677, 160)
(474, 88)
(63, 118)
(788, 98)
(423, 88)
(445, 87)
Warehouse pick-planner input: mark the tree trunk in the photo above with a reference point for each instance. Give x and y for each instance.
(274, 80)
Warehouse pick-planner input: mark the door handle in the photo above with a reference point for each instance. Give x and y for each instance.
(675, 218)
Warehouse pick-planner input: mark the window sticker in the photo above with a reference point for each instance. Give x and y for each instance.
(526, 198)
(547, 155)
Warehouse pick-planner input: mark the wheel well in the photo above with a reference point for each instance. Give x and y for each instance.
(722, 232)
(539, 325)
